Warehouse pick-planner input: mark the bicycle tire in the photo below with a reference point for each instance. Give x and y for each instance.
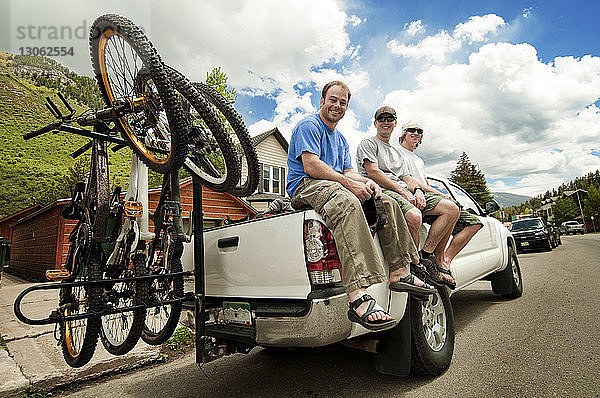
(162, 148)
(244, 142)
(121, 331)
(212, 156)
(79, 337)
(162, 320)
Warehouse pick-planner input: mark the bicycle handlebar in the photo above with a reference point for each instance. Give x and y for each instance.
(41, 131)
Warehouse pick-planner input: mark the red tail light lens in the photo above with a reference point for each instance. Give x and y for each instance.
(322, 260)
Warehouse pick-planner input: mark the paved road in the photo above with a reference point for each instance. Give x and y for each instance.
(541, 345)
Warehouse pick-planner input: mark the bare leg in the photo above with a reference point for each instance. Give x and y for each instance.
(413, 221)
(459, 241)
(441, 228)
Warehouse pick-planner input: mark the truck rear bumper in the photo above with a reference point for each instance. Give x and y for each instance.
(326, 323)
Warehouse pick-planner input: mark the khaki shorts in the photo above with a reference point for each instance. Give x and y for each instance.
(431, 200)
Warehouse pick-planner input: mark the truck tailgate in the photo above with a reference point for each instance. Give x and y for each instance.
(263, 259)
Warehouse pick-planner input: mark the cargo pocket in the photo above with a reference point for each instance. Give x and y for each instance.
(336, 208)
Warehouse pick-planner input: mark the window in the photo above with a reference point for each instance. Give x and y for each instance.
(273, 179)
(266, 178)
(437, 184)
(465, 200)
(276, 180)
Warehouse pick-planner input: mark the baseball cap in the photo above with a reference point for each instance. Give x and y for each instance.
(411, 125)
(385, 109)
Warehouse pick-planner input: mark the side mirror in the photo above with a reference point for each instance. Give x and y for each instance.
(491, 207)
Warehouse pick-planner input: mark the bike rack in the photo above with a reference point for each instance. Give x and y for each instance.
(102, 132)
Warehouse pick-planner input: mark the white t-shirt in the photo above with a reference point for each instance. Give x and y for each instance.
(388, 158)
(414, 165)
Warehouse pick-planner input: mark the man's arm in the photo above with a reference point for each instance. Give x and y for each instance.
(360, 186)
(375, 173)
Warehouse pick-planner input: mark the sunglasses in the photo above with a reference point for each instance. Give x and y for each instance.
(386, 119)
(418, 131)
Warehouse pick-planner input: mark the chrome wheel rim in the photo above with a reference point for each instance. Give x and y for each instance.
(515, 271)
(434, 322)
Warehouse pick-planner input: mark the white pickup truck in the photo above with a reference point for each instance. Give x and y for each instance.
(275, 282)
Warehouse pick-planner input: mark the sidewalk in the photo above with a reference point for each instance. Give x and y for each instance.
(31, 359)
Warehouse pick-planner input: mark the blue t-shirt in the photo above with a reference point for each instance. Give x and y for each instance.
(312, 135)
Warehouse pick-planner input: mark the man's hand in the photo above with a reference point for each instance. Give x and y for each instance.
(361, 190)
(374, 187)
(420, 199)
(408, 196)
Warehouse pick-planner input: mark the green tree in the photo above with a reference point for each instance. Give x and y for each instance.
(591, 204)
(471, 179)
(564, 209)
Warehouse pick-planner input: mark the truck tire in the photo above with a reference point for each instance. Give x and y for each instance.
(509, 282)
(432, 330)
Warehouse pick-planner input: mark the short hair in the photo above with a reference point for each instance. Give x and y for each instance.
(335, 83)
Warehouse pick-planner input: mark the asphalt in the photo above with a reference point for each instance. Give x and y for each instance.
(31, 359)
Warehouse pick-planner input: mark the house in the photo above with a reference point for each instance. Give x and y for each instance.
(271, 148)
(40, 240)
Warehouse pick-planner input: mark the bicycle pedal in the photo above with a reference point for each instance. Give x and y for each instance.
(133, 209)
(57, 274)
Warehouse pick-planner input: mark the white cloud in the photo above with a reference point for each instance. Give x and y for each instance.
(414, 28)
(354, 21)
(477, 28)
(432, 48)
(514, 115)
(436, 48)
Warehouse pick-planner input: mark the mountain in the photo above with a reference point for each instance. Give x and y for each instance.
(35, 171)
(506, 199)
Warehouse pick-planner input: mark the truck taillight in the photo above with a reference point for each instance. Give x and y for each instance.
(322, 261)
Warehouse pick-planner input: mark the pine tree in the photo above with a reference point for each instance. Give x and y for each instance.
(471, 179)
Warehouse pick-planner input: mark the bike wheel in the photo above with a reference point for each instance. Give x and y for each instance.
(165, 257)
(248, 182)
(120, 332)
(157, 130)
(79, 337)
(212, 156)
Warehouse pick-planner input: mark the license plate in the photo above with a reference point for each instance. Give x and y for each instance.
(524, 243)
(237, 312)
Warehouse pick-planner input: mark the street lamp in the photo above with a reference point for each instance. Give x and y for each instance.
(593, 224)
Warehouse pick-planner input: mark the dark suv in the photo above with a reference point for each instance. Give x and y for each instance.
(531, 233)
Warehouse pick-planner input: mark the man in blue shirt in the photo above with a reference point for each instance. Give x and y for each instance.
(320, 175)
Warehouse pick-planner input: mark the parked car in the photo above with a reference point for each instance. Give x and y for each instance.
(532, 233)
(276, 282)
(572, 227)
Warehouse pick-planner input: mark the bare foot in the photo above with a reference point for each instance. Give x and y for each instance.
(381, 315)
(402, 272)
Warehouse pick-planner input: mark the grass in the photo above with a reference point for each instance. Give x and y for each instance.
(181, 338)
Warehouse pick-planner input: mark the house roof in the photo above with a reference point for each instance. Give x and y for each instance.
(189, 180)
(257, 139)
(183, 183)
(15, 216)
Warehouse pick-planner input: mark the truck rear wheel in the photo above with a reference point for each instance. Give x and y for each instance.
(432, 330)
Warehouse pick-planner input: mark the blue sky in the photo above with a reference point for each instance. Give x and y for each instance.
(514, 84)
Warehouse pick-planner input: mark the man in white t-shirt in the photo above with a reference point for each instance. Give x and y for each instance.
(385, 164)
(467, 225)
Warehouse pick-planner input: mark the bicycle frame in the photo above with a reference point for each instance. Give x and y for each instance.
(137, 192)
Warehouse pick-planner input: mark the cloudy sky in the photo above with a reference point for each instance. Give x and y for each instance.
(514, 84)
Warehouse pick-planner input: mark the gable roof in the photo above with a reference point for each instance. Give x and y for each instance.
(257, 139)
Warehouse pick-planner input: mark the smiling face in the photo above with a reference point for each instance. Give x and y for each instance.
(385, 125)
(334, 105)
(411, 138)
